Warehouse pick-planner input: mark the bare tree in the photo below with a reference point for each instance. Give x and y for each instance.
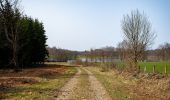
(138, 35)
(164, 52)
(10, 16)
(122, 46)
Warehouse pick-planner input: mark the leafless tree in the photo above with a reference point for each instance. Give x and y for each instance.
(138, 35)
(164, 52)
(10, 16)
(122, 50)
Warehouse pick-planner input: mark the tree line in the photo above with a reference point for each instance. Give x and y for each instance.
(111, 54)
(104, 54)
(61, 55)
(119, 53)
(162, 53)
(22, 38)
(93, 55)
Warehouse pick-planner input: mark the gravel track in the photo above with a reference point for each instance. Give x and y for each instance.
(67, 91)
(94, 90)
(98, 89)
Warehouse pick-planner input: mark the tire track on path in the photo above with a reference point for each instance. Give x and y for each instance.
(83, 86)
(99, 91)
(67, 91)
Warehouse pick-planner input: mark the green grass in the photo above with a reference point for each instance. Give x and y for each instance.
(44, 90)
(159, 66)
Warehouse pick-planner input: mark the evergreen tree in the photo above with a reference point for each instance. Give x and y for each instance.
(22, 39)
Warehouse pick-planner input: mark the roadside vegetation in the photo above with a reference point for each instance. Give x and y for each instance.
(125, 86)
(112, 84)
(37, 83)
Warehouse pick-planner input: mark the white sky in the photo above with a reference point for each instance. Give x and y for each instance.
(84, 24)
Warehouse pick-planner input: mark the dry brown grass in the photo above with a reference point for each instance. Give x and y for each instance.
(148, 86)
(10, 80)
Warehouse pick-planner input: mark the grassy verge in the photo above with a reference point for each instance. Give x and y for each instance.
(123, 86)
(43, 90)
(113, 84)
(83, 90)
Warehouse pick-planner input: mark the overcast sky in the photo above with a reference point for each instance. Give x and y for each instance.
(84, 24)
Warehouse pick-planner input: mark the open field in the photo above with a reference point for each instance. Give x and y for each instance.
(159, 66)
(122, 86)
(36, 83)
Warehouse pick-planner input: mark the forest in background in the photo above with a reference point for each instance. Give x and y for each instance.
(162, 53)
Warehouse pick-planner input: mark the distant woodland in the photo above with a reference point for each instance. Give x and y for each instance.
(162, 53)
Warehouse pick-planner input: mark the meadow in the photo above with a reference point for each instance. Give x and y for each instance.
(159, 66)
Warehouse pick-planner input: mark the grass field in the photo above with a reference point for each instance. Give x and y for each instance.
(159, 66)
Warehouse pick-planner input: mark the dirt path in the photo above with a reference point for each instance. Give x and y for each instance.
(83, 86)
(66, 92)
(98, 89)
